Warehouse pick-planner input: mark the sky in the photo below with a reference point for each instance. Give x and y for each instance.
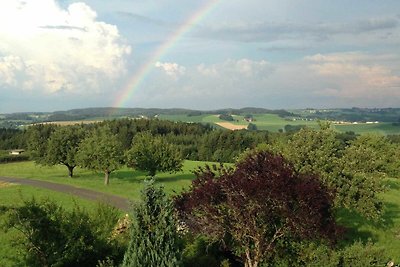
(203, 54)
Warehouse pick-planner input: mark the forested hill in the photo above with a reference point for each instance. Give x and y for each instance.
(363, 115)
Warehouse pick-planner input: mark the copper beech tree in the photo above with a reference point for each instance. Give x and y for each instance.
(257, 206)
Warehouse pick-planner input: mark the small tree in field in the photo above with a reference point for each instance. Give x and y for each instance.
(63, 146)
(101, 151)
(154, 238)
(153, 153)
(258, 207)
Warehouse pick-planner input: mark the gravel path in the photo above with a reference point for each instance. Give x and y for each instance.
(119, 202)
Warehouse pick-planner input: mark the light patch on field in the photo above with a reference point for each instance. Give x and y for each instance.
(231, 126)
(5, 184)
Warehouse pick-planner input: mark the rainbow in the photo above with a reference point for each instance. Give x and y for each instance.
(140, 75)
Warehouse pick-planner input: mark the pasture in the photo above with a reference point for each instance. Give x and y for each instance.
(274, 123)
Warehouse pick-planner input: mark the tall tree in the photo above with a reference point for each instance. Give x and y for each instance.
(154, 238)
(101, 151)
(38, 137)
(153, 153)
(256, 208)
(63, 146)
(322, 153)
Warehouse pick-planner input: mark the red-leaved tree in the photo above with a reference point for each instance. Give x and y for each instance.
(255, 206)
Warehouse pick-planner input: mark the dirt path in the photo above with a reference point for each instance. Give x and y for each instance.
(119, 202)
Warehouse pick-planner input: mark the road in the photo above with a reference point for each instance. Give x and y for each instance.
(119, 202)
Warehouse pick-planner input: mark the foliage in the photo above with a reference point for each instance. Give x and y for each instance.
(356, 254)
(38, 136)
(154, 237)
(226, 117)
(254, 208)
(12, 139)
(252, 127)
(63, 146)
(226, 146)
(101, 151)
(56, 237)
(152, 153)
(321, 152)
(199, 251)
(7, 158)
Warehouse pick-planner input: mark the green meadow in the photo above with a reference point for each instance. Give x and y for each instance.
(124, 182)
(274, 123)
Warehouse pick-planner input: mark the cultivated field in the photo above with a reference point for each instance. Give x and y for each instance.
(274, 123)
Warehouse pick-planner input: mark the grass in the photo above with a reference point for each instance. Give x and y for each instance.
(124, 182)
(274, 123)
(385, 233)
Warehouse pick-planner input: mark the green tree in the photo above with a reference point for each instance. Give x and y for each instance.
(101, 151)
(153, 153)
(38, 137)
(63, 146)
(154, 237)
(322, 153)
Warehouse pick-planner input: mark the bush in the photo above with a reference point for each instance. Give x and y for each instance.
(7, 158)
(57, 237)
(226, 117)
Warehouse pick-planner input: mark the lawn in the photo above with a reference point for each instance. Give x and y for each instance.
(385, 233)
(125, 182)
(380, 128)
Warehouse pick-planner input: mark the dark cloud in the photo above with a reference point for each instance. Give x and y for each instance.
(273, 31)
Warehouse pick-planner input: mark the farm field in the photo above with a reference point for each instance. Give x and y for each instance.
(274, 123)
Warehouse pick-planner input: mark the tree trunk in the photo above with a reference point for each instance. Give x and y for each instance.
(249, 261)
(106, 177)
(70, 171)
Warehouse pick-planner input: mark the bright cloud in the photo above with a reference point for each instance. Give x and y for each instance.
(356, 75)
(46, 48)
(171, 69)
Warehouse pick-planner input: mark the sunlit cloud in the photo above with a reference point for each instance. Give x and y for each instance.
(50, 49)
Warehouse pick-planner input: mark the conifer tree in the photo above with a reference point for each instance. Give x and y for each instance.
(154, 238)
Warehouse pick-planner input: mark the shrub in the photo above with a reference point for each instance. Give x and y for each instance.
(57, 237)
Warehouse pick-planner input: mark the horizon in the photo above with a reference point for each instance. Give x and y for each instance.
(201, 110)
(204, 55)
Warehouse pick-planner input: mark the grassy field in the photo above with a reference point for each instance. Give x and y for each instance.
(385, 233)
(274, 123)
(125, 182)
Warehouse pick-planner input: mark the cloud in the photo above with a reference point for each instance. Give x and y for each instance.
(141, 18)
(275, 31)
(171, 69)
(319, 80)
(357, 75)
(49, 49)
